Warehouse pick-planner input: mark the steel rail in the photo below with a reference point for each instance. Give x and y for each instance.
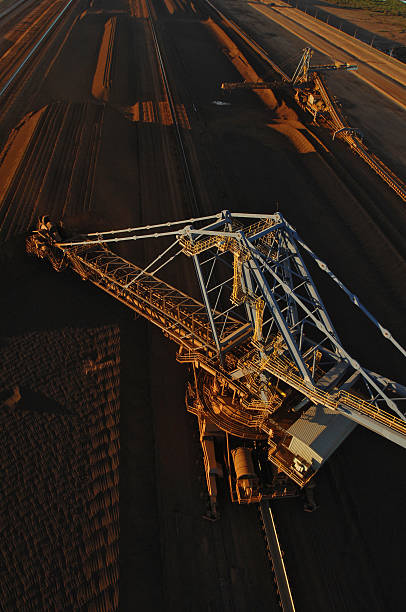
(186, 169)
(34, 49)
(276, 557)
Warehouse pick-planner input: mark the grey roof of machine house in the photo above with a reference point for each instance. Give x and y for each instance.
(317, 433)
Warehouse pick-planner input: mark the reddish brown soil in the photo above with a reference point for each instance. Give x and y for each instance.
(15, 149)
(52, 157)
(106, 169)
(101, 79)
(240, 63)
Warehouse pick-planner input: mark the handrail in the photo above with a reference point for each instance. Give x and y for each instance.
(185, 317)
(283, 370)
(192, 248)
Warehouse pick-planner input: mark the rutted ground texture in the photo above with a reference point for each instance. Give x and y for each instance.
(59, 457)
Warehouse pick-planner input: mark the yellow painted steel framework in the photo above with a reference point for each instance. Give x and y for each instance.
(261, 323)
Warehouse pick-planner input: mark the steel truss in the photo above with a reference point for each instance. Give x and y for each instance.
(304, 69)
(261, 337)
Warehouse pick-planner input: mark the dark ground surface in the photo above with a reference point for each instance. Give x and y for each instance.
(347, 555)
(59, 445)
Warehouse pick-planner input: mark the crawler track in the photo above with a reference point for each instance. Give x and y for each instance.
(276, 557)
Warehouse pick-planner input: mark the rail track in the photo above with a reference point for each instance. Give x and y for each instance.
(174, 115)
(260, 51)
(271, 537)
(372, 210)
(12, 14)
(58, 146)
(355, 143)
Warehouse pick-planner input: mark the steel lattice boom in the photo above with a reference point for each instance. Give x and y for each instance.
(268, 364)
(304, 69)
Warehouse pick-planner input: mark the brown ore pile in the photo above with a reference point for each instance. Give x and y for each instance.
(59, 401)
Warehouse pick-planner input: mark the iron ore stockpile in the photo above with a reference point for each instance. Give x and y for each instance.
(112, 116)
